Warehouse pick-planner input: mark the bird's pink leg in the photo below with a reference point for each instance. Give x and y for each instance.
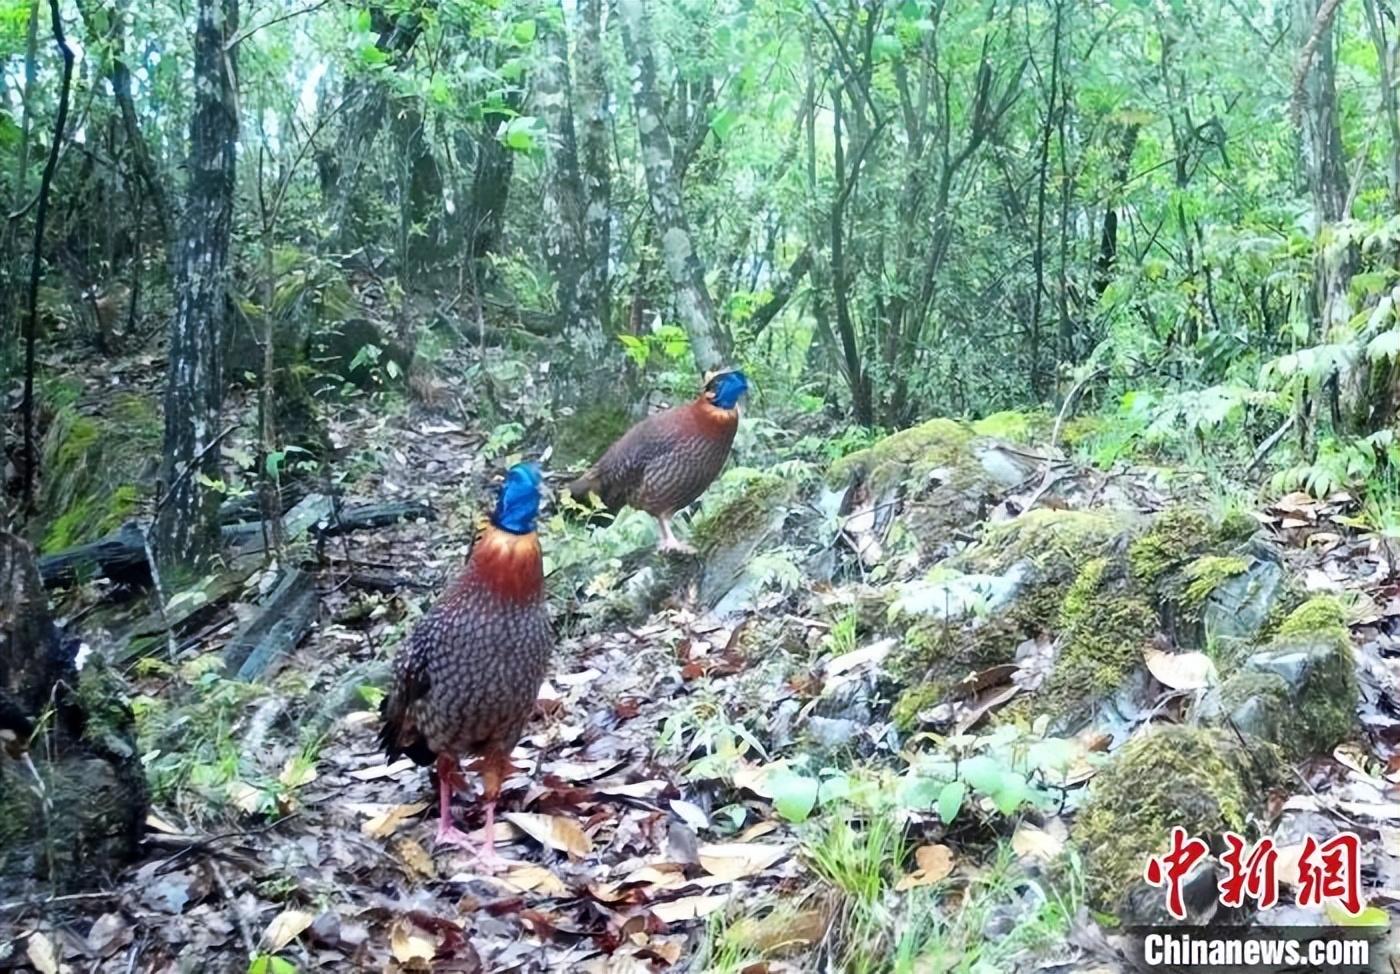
(449, 779)
(669, 542)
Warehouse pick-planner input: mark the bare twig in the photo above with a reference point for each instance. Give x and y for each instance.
(1267, 447)
(249, 32)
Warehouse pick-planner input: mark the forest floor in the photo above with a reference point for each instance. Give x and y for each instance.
(674, 804)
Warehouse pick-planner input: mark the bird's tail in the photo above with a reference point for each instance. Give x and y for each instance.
(585, 500)
(397, 734)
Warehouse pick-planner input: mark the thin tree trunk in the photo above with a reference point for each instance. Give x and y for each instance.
(596, 157)
(60, 123)
(187, 523)
(708, 342)
(564, 235)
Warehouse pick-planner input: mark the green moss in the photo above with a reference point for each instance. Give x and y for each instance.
(1082, 592)
(1103, 642)
(1206, 574)
(92, 466)
(1320, 614)
(905, 712)
(1197, 778)
(1080, 429)
(1011, 424)
(91, 517)
(582, 437)
(1057, 542)
(1104, 625)
(908, 454)
(1176, 536)
(741, 514)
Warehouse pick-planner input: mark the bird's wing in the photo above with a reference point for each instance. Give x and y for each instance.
(399, 734)
(619, 470)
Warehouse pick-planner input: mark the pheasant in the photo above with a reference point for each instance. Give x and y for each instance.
(668, 460)
(466, 679)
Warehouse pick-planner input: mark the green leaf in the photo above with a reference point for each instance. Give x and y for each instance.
(950, 801)
(724, 120)
(523, 133)
(524, 32)
(982, 774)
(267, 964)
(794, 795)
(1386, 345)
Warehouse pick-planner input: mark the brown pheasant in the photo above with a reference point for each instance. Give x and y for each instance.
(466, 679)
(668, 460)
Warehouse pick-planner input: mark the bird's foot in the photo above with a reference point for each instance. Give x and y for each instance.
(449, 835)
(675, 545)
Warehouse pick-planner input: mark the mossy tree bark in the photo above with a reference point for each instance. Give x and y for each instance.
(566, 246)
(187, 525)
(708, 340)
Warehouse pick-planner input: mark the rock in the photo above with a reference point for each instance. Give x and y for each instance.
(1198, 778)
(831, 733)
(958, 596)
(1240, 606)
(1300, 691)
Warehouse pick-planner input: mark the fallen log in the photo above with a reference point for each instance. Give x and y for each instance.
(283, 618)
(121, 556)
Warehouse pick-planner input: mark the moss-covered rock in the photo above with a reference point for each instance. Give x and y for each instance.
(1104, 624)
(747, 502)
(909, 455)
(1196, 778)
(92, 464)
(1057, 542)
(1014, 425)
(1322, 615)
(1206, 574)
(1177, 536)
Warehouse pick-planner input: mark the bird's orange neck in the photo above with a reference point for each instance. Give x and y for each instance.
(508, 565)
(712, 419)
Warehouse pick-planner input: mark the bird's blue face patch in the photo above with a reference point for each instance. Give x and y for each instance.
(729, 387)
(518, 505)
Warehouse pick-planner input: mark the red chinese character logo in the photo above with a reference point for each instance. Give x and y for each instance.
(1252, 877)
(1172, 868)
(1331, 871)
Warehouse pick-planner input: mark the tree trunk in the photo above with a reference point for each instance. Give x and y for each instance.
(72, 807)
(366, 105)
(565, 244)
(187, 525)
(420, 191)
(595, 143)
(1323, 161)
(708, 342)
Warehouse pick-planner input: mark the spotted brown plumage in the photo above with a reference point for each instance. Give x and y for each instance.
(666, 461)
(466, 679)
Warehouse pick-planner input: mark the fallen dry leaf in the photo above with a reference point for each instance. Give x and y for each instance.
(554, 831)
(412, 854)
(736, 860)
(688, 908)
(382, 770)
(690, 813)
(1179, 671)
(1032, 842)
(41, 953)
(386, 823)
(296, 773)
(934, 863)
(284, 928)
(408, 943)
(535, 879)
